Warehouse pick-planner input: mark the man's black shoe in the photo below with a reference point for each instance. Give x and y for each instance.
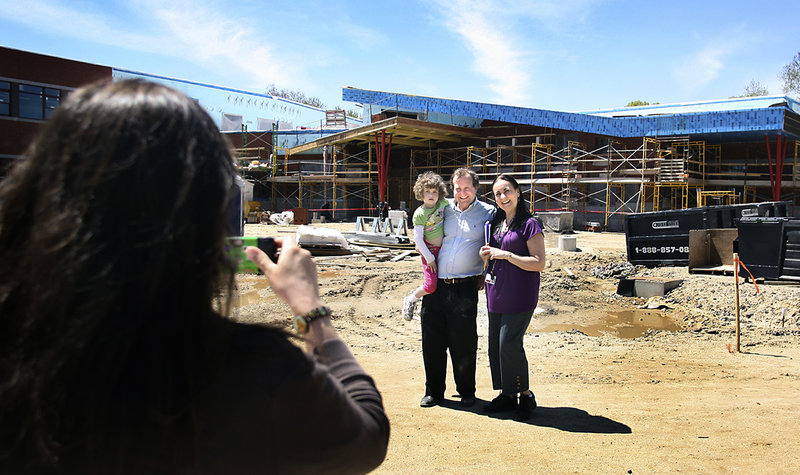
(429, 401)
(526, 406)
(468, 401)
(503, 402)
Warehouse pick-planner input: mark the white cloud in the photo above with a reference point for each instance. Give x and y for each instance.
(364, 37)
(553, 12)
(497, 55)
(720, 56)
(202, 34)
(504, 38)
(69, 21)
(214, 40)
(700, 69)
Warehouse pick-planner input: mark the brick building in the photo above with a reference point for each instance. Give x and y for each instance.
(31, 87)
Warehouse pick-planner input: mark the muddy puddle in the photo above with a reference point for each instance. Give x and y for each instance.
(250, 296)
(247, 298)
(622, 324)
(255, 283)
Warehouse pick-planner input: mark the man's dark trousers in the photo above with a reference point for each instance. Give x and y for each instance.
(449, 322)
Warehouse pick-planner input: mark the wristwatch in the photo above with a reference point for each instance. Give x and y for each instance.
(302, 322)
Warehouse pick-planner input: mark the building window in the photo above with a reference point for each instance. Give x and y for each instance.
(52, 97)
(27, 101)
(5, 98)
(31, 102)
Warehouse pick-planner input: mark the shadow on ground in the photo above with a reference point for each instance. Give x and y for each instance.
(569, 419)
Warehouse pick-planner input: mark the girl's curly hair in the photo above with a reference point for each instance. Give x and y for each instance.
(427, 181)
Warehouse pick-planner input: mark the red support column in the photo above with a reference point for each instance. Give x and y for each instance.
(783, 158)
(382, 161)
(386, 169)
(771, 175)
(383, 166)
(780, 159)
(379, 166)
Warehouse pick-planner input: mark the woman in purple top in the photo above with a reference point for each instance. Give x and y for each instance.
(515, 256)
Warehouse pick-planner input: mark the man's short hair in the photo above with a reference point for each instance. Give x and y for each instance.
(462, 172)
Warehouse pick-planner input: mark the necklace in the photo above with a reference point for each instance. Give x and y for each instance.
(501, 233)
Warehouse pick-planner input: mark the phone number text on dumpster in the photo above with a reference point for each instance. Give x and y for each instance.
(662, 250)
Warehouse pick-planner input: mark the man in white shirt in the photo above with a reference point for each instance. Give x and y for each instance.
(449, 314)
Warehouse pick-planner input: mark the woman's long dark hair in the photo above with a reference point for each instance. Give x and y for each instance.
(111, 258)
(520, 216)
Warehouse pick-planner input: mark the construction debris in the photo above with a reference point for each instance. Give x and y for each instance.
(383, 254)
(402, 256)
(614, 269)
(286, 217)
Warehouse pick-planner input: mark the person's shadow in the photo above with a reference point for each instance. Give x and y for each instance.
(570, 419)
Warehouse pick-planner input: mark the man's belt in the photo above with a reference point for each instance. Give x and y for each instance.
(459, 280)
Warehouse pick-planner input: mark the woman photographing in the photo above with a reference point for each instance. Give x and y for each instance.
(117, 353)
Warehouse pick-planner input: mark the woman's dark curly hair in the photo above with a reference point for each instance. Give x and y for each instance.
(522, 212)
(429, 180)
(112, 254)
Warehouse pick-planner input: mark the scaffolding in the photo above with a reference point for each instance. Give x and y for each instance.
(335, 184)
(610, 179)
(706, 198)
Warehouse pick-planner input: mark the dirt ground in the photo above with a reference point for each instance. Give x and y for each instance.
(621, 389)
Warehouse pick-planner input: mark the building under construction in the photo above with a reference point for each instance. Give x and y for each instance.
(600, 165)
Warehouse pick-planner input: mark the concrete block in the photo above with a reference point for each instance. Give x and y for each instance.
(646, 287)
(567, 243)
(556, 221)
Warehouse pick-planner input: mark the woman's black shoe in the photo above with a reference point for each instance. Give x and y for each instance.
(525, 409)
(503, 402)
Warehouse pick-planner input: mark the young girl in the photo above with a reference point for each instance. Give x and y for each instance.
(428, 234)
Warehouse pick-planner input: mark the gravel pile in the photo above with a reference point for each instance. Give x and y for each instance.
(710, 302)
(553, 280)
(619, 270)
(706, 301)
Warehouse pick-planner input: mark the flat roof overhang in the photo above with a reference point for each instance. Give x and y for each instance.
(405, 133)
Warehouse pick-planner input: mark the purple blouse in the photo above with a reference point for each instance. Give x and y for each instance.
(514, 290)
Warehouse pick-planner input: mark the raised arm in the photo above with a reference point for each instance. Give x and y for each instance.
(330, 420)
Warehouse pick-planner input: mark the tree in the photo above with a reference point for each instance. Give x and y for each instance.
(791, 76)
(640, 103)
(754, 89)
(296, 96)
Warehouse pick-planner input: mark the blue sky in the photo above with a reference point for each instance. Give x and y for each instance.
(564, 55)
